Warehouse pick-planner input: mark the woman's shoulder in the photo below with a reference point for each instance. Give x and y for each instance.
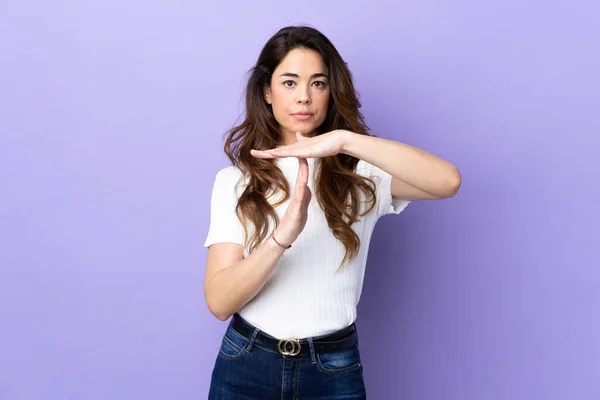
(230, 171)
(231, 176)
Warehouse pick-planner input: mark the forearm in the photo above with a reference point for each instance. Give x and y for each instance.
(414, 166)
(231, 288)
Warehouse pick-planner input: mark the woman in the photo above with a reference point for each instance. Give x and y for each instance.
(288, 267)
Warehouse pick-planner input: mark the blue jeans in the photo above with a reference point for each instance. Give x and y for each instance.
(244, 371)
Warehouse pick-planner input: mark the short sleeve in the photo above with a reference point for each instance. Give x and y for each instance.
(225, 226)
(383, 182)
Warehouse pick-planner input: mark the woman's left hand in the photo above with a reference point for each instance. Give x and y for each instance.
(324, 145)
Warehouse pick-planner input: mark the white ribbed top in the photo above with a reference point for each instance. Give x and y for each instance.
(304, 295)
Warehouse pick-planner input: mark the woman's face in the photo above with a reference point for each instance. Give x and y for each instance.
(299, 93)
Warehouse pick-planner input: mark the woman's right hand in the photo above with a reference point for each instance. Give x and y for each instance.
(295, 216)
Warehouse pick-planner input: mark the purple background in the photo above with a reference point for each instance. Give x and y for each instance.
(111, 122)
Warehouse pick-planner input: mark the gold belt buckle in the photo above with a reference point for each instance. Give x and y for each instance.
(289, 347)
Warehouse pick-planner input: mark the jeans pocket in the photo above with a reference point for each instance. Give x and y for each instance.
(335, 362)
(233, 345)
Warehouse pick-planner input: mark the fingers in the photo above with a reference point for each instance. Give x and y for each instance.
(301, 182)
(297, 149)
(304, 202)
(302, 197)
(307, 197)
(302, 171)
(300, 136)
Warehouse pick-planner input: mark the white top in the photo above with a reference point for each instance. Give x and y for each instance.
(304, 296)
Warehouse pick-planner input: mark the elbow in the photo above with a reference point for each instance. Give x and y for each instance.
(453, 183)
(222, 316)
(456, 181)
(215, 303)
(218, 311)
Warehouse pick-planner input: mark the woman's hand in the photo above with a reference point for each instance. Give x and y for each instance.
(294, 219)
(324, 145)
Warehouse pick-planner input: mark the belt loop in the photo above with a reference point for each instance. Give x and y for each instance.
(311, 346)
(251, 342)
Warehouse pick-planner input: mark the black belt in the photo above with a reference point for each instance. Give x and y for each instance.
(292, 347)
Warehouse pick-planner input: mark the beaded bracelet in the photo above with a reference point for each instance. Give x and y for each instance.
(285, 247)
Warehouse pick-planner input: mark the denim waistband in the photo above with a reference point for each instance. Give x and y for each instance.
(338, 340)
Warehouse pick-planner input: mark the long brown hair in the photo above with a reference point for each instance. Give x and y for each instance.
(335, 178)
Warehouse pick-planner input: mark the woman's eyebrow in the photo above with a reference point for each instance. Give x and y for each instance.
(317, 75)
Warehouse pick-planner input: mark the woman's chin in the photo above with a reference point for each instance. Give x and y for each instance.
(306, 129)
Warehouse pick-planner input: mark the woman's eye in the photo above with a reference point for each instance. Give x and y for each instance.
(288, 82)
(320, 84)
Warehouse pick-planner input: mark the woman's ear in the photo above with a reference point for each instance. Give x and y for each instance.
(267, 93)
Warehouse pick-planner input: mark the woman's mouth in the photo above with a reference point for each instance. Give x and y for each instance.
(302, 116)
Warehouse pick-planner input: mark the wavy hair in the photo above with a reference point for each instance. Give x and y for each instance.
(337, 184)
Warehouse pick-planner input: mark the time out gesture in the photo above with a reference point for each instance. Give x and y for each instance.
(416, 173)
